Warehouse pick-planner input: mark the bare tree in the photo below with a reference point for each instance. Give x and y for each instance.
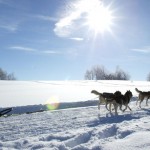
(121, 75)
(148, 77)
(96, 73)
(5, 76)
(11, 77)
(89, 75)
(100, 73)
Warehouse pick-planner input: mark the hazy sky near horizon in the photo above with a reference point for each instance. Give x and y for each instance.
(61, 39)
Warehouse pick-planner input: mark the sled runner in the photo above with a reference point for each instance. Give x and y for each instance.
(5, 111)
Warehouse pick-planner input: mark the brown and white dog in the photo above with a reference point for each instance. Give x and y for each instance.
(107, 98)
(142, 96)
(116, 99)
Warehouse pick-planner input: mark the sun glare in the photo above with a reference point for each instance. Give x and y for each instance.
(92, 15)
(99, 19)
(52, 103)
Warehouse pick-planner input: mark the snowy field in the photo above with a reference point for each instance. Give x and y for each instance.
(21, 93)
(84, 128)
(78, 129)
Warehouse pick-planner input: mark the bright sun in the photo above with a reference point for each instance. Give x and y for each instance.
(99, 19)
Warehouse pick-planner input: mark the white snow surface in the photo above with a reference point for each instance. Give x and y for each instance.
(21, 93)
(85, 128)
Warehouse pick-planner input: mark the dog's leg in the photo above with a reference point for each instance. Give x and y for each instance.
(121, 108)
(116, 107)
(110, 107)
(137, 101)
(99, 102)
(140, 103)
(129, 108)
(121, 105)
(116, 110)
(99, 105)
(147, 101)
(113, 107)
(125, 108)
(141, 100)
(107, 105)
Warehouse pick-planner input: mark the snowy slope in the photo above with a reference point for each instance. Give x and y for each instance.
(78, 129)
(72, 129)
(22, 93)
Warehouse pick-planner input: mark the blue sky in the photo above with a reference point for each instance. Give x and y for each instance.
(56, 40)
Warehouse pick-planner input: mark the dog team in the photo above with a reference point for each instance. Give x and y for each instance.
(118, 100)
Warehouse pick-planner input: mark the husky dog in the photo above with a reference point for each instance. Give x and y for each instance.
(142, 96)
(106, 98)
(123, 100)
(117, 99)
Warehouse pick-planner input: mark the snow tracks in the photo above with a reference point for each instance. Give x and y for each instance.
(76, 129)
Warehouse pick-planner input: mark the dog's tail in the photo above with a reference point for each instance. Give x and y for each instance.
(138, 90)
(96, 92)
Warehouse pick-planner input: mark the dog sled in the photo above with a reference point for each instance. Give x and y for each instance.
(5, 111)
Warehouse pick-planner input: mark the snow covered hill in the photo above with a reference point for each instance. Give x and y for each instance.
(81, 128)
(78, 129)
(22, 93)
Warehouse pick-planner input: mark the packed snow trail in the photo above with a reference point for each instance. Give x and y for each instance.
(77, 129)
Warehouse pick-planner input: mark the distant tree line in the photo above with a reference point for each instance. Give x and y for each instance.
(100, 73)
(6, 76)
(148, 77)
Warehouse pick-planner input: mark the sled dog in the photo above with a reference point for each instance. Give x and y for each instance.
(142, 96)
(117, 99)
(123, 100)
(106, 98)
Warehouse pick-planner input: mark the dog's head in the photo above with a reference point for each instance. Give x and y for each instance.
(129, 93)
(93, 91)
(117, 93)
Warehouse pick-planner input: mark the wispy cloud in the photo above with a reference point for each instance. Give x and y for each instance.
(36, 51)
(46, 18)
(9, 22)
(142, 50)
(10, 27)
(66, 52)
(51, 52)
(65, 26)
(21, 48)
(77, 39)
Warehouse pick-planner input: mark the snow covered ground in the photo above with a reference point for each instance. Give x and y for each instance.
(78, 129)
(21, 93)
(73, 129)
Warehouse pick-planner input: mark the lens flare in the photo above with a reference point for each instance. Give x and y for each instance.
(52, 103)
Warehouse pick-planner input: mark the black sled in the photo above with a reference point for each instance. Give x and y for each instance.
(5, 111)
